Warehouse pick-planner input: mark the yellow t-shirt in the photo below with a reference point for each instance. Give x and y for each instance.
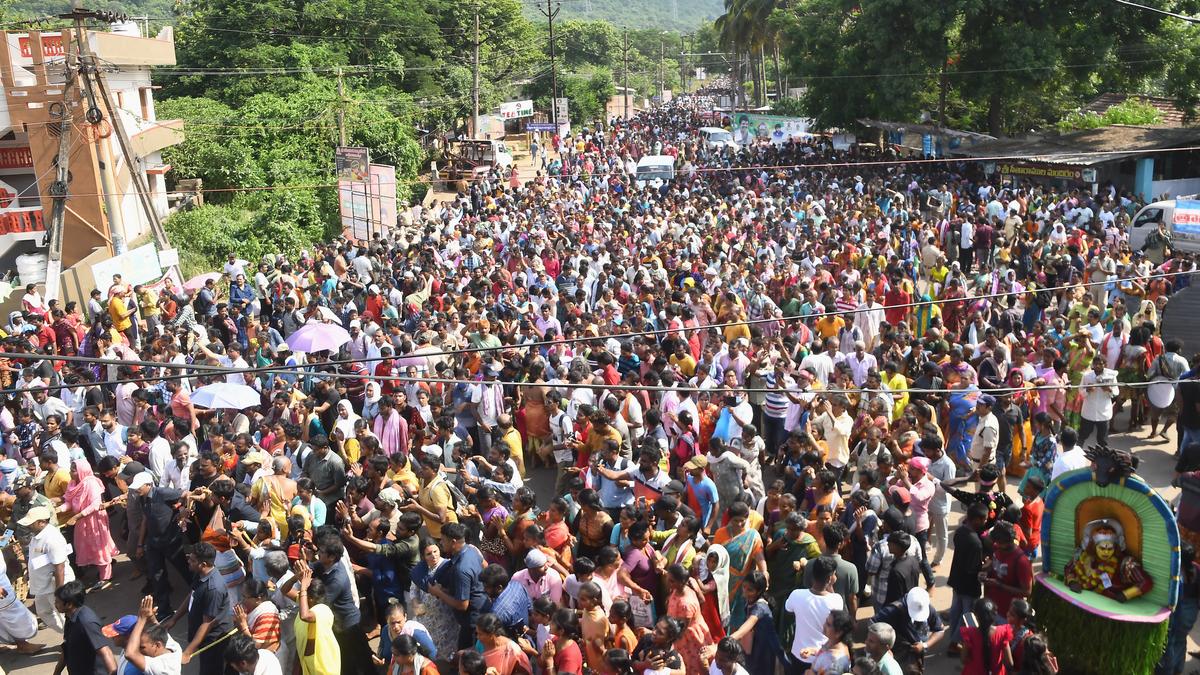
(326, 657)
(436, 498)
(686, 365)
(829, 325)
(56, 483)
(120, 315)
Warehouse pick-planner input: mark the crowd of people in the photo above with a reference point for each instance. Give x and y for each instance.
(761, 387)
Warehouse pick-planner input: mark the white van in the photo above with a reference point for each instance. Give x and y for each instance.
(716, 138)
(1146, 220)
(655, 170)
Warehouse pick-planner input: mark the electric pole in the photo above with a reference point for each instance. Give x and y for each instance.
(682, 66)
(625, 72)
(550, 12)
(662, 85)
(475, 79)
(341, 113)
(58, 189)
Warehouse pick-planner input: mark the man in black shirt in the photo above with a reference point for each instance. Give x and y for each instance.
(905, 572)
(970, 551)
(233, 503)
(209, 614)
(159, 540)
(85, 650)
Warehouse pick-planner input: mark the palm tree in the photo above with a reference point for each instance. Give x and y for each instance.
(745, 26)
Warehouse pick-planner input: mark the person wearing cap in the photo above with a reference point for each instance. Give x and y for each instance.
(916, 628)
(987, 433)
(25, 499)
(539, 579)
(48, 566)
(701, 493)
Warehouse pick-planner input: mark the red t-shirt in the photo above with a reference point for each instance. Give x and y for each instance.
(1031, 521)
(1010, 568)
(973, 645)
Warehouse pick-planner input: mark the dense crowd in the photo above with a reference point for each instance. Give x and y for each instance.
(762, 386)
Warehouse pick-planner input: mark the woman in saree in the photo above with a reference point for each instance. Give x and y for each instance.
(684, 604)
(500, 653)
(437, 617)
(953, 305)
(712, 583)
(538, 444)
(962, 421)
(345, 419)
(92, 540)
(218, 532)
(273, 494)
(745, 548)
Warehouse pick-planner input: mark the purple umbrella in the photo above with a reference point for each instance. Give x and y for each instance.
(316, 337)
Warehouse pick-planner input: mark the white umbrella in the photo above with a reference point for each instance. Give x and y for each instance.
(316, 337)
(226, 395)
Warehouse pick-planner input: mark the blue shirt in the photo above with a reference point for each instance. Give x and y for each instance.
(706, 494)
(612, 494)
(512, 607)
(466, 566)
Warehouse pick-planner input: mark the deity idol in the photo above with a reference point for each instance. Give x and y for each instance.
(1104, 565)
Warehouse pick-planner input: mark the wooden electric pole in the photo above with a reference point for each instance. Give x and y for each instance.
(475, 78)
(550, 13)
(625, 72)
(341, 112)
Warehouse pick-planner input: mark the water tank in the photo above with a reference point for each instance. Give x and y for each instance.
(31, 268)
(130, 28)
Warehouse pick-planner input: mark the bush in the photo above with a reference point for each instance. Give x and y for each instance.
(280, 221)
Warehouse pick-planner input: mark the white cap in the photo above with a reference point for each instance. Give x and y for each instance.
(141, 480)
(917, 603)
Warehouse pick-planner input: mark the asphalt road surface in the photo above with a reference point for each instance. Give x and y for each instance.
(1157, 465)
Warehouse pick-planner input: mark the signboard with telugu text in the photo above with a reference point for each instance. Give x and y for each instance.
(1186, 222)
(352, 164)
(1037, 170)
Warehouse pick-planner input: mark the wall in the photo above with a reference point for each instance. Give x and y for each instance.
(1170, 189)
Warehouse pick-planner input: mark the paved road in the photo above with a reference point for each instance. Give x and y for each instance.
(1156, 467)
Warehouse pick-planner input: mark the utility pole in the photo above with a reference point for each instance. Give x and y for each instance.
(662, 84)
(475, 79)
(625, 72)
(58, 189)
(341, 113)
(550, 12)
(682, 66)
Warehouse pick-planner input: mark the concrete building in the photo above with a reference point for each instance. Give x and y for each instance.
(32, 69)
(1153, 162)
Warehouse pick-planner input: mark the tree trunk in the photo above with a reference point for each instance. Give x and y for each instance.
(995, 113)
(778, 74)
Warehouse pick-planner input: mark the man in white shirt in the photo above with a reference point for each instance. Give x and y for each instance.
(835, 425)
(48, 568)
(1097, 409)
(44, 405)
(160, 449)
(811, 606)
(113, 435)
(179, 469)
(1113, 344)
(1070, 456)
(987, 433)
